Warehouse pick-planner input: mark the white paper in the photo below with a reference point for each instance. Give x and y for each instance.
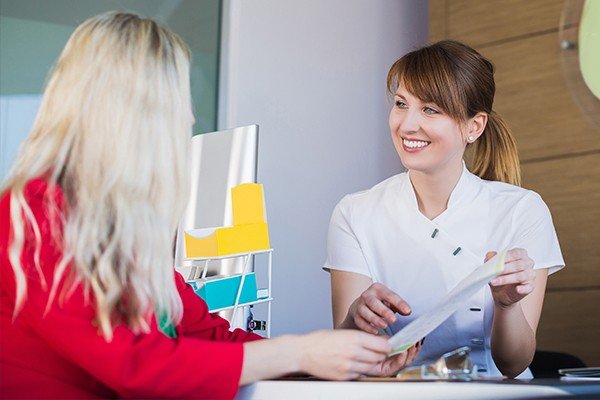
(426, 323)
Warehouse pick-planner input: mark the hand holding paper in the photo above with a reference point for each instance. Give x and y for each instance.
(433, 318)
(516, 280)
(376, 308)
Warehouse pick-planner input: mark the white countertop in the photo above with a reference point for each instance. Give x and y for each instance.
(306, 389)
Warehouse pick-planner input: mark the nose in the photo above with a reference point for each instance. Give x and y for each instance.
(410, 121)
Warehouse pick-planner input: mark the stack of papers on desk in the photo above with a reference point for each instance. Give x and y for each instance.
(590, 373)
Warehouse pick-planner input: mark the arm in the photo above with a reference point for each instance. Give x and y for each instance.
(153, 365)
(332, 355)
(360, 304)
(141, 365)
(357, 303)
(519, 292)
(518, 298)
(345, 288)
(198, 323)
(335, 355)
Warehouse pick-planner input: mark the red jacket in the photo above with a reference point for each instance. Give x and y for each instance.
(63, 355)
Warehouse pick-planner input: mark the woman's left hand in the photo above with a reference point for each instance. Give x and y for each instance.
(392, 365)
(517, 279)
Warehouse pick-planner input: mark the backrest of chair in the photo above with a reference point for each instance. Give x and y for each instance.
(545, 364)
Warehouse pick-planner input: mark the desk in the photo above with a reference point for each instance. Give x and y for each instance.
(425, 390)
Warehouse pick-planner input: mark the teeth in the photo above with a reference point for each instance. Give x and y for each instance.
(414, 144)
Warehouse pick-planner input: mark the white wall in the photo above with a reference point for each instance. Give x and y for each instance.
(312, 74)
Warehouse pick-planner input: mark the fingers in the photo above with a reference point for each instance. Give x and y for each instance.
(397, 303)
(518, 265)
(365, 326)
(396, 363)
(522, 277)
(525, 289)
(375, 343)
(369, 356)
(518, 269)
(376, 308)
(389, 297)
(516, 281)
(515, 259)
(489, 255)
(342, 354)
(411, 354)
(353, 369)
(364, 356)
(515, 254)
(414, 351)
(368, 320)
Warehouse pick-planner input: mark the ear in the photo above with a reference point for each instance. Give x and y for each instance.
(475, 127)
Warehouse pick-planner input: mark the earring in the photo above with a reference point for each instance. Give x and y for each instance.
(471, 138)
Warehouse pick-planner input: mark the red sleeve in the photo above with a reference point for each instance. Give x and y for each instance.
(199, 323)
(205, 361)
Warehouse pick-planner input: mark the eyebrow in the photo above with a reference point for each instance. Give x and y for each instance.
(426, 103)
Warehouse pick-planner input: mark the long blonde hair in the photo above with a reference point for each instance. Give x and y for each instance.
(112, 131)
(461, 81)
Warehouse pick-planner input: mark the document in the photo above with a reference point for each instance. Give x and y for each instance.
(426, 323)
(576, 373)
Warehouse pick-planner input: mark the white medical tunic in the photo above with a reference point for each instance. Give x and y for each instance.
(382, 234)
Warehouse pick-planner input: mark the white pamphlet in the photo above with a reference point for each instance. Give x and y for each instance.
(423, 325)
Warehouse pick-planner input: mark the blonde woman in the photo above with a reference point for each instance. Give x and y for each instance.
(396, 249)
(90, 305)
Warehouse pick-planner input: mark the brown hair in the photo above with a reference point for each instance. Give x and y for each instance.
(461, 82)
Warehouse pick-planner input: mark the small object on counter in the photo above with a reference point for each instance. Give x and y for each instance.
(455, 365)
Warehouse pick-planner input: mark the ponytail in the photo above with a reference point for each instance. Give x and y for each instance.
(494, 155)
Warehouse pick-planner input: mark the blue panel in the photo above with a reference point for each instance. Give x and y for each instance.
(221, 292)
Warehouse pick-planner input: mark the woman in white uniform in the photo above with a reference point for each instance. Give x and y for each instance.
(396, 249)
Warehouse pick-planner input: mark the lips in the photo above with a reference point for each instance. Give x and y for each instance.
(414, 145)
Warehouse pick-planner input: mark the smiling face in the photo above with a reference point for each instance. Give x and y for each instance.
(426, 138)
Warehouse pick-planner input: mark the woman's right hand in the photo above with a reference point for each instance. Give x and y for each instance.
(376, 308)
(341, 354)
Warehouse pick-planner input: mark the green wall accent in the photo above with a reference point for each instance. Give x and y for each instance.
(27, 51)
(589, 45)
(29, 45)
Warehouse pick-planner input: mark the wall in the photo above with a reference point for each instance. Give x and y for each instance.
(312, 75)
(25, 58)
(24, 64)
(559, 149)
(33, 33)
